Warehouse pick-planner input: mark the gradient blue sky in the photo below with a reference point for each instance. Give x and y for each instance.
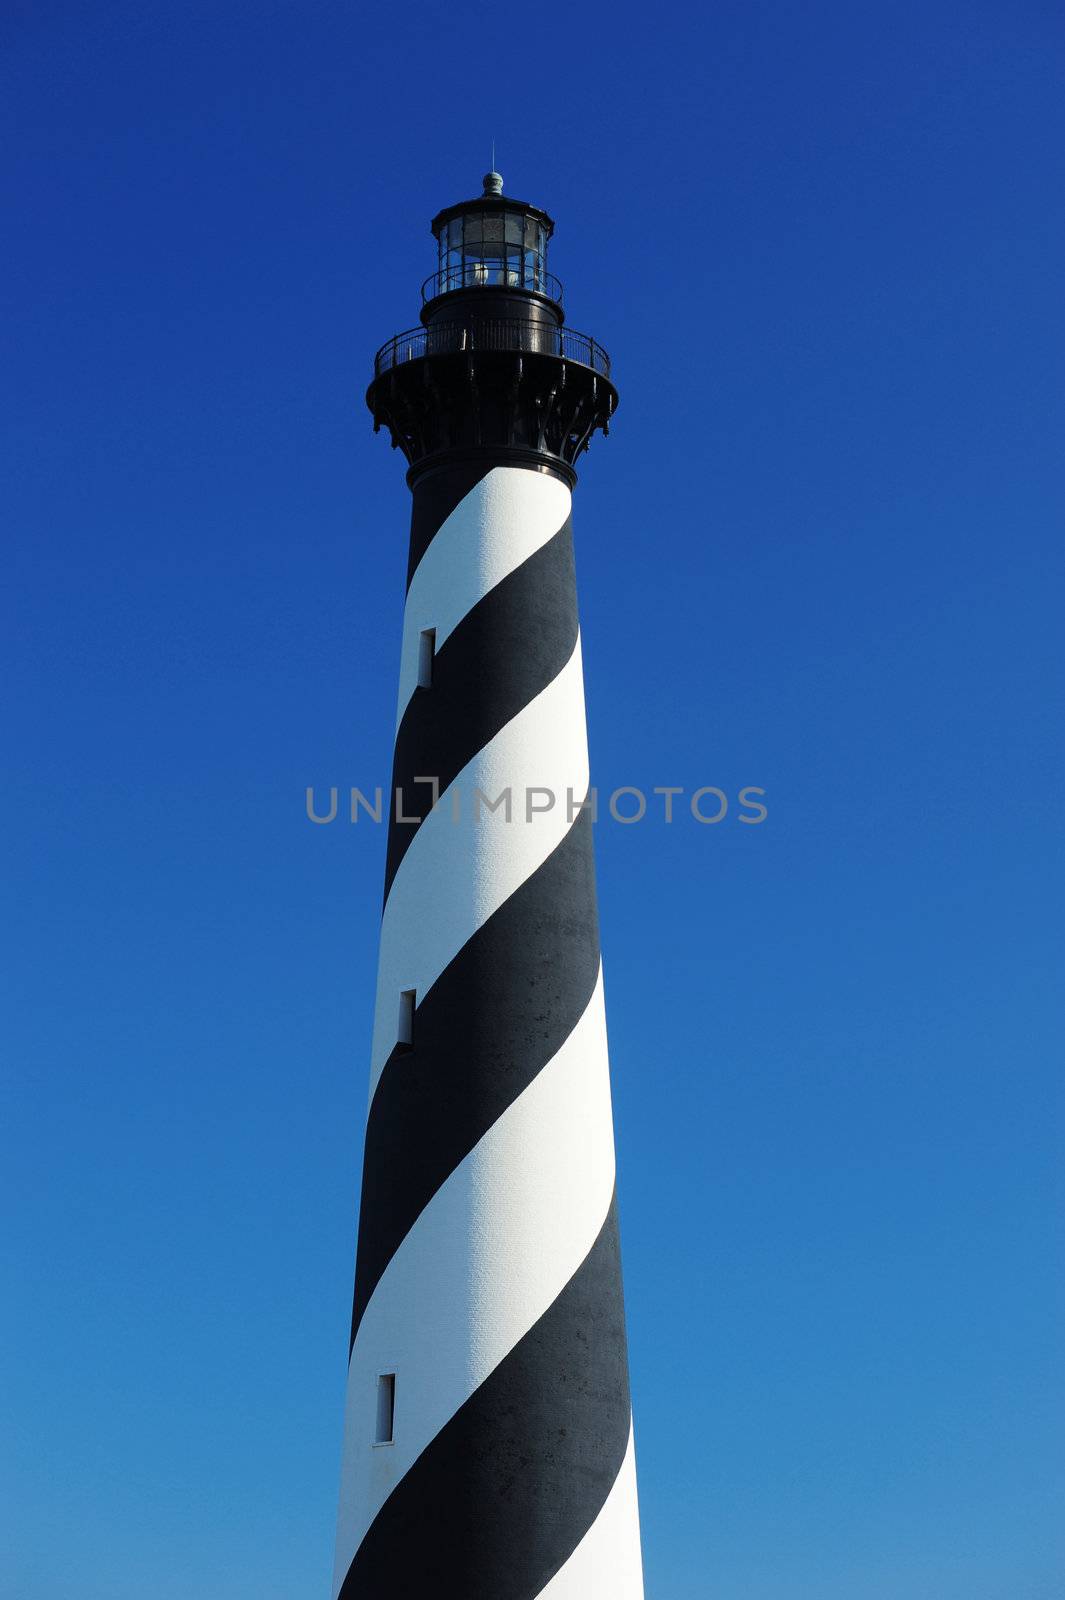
(819, 553)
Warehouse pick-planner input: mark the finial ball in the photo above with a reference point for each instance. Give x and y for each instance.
(493, 183)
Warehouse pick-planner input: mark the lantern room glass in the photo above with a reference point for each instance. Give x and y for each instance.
(504, 247)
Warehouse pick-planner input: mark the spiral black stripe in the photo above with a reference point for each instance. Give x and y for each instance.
(435, 499)
(496, 1015)
(504, 652)
(500, 1499)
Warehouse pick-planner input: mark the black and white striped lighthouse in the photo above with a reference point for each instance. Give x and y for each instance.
(488, 1449)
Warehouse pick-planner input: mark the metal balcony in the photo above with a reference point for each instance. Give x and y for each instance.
(529, 275)
(501, 334)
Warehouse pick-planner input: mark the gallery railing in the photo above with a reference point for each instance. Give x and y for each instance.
(492, 274)
(507, 334)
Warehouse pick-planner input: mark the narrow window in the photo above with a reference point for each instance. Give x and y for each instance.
(386, 1407)
(426, 652)
(405, 1030)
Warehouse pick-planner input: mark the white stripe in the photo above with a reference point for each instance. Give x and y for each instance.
(503, 520)
(455, 875)
(492, 1250)
(607, 1560)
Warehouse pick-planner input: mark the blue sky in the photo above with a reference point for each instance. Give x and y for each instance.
(819, 553)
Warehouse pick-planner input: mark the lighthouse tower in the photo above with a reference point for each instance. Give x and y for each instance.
(488, 1449)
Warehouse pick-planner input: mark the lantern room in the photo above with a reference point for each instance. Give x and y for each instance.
(492, 242)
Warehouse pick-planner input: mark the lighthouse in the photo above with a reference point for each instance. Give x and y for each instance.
(488, 1444)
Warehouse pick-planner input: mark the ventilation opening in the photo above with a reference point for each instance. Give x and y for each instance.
(405, 1028)
(426, 652)
(386, 1407)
